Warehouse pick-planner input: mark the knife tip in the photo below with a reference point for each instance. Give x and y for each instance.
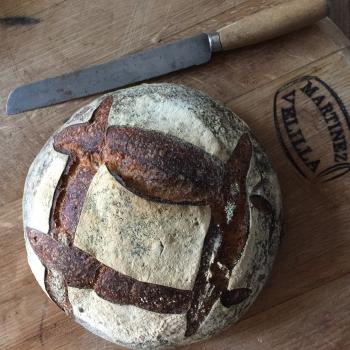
(10, 110)
(13, 103)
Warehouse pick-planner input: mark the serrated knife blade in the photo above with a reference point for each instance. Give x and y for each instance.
(196, 50)
(134, 68)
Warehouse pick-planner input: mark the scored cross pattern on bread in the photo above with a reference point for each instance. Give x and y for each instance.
(160, 168)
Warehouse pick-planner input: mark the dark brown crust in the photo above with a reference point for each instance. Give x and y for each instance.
(234, 296)
(70, 202)
(235, 232)
(121, 289)
(203, 299)
(225, 239)
(82, 142)
(160, 168)
(78, 268)
(261, 204)
(82, 270)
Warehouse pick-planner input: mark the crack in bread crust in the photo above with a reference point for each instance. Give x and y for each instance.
(160, 168)
(82, 143)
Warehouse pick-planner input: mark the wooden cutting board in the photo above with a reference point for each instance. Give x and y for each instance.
(294, 92)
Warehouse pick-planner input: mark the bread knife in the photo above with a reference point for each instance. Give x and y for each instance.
(196, 50)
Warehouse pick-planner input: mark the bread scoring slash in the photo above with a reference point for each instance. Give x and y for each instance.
(166, 169)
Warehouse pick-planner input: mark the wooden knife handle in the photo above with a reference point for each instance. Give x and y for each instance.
(272, 22)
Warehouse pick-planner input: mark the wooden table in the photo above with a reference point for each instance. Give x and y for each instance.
(306, 303)
(341, 15)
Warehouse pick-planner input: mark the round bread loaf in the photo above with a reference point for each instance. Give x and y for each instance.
(152, 217)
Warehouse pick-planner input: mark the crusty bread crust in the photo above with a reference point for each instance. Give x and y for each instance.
(170, 167)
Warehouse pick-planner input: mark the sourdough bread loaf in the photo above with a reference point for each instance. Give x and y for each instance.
(152, 217)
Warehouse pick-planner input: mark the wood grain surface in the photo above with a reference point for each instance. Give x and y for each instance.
(340, 14)
(306, 303)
